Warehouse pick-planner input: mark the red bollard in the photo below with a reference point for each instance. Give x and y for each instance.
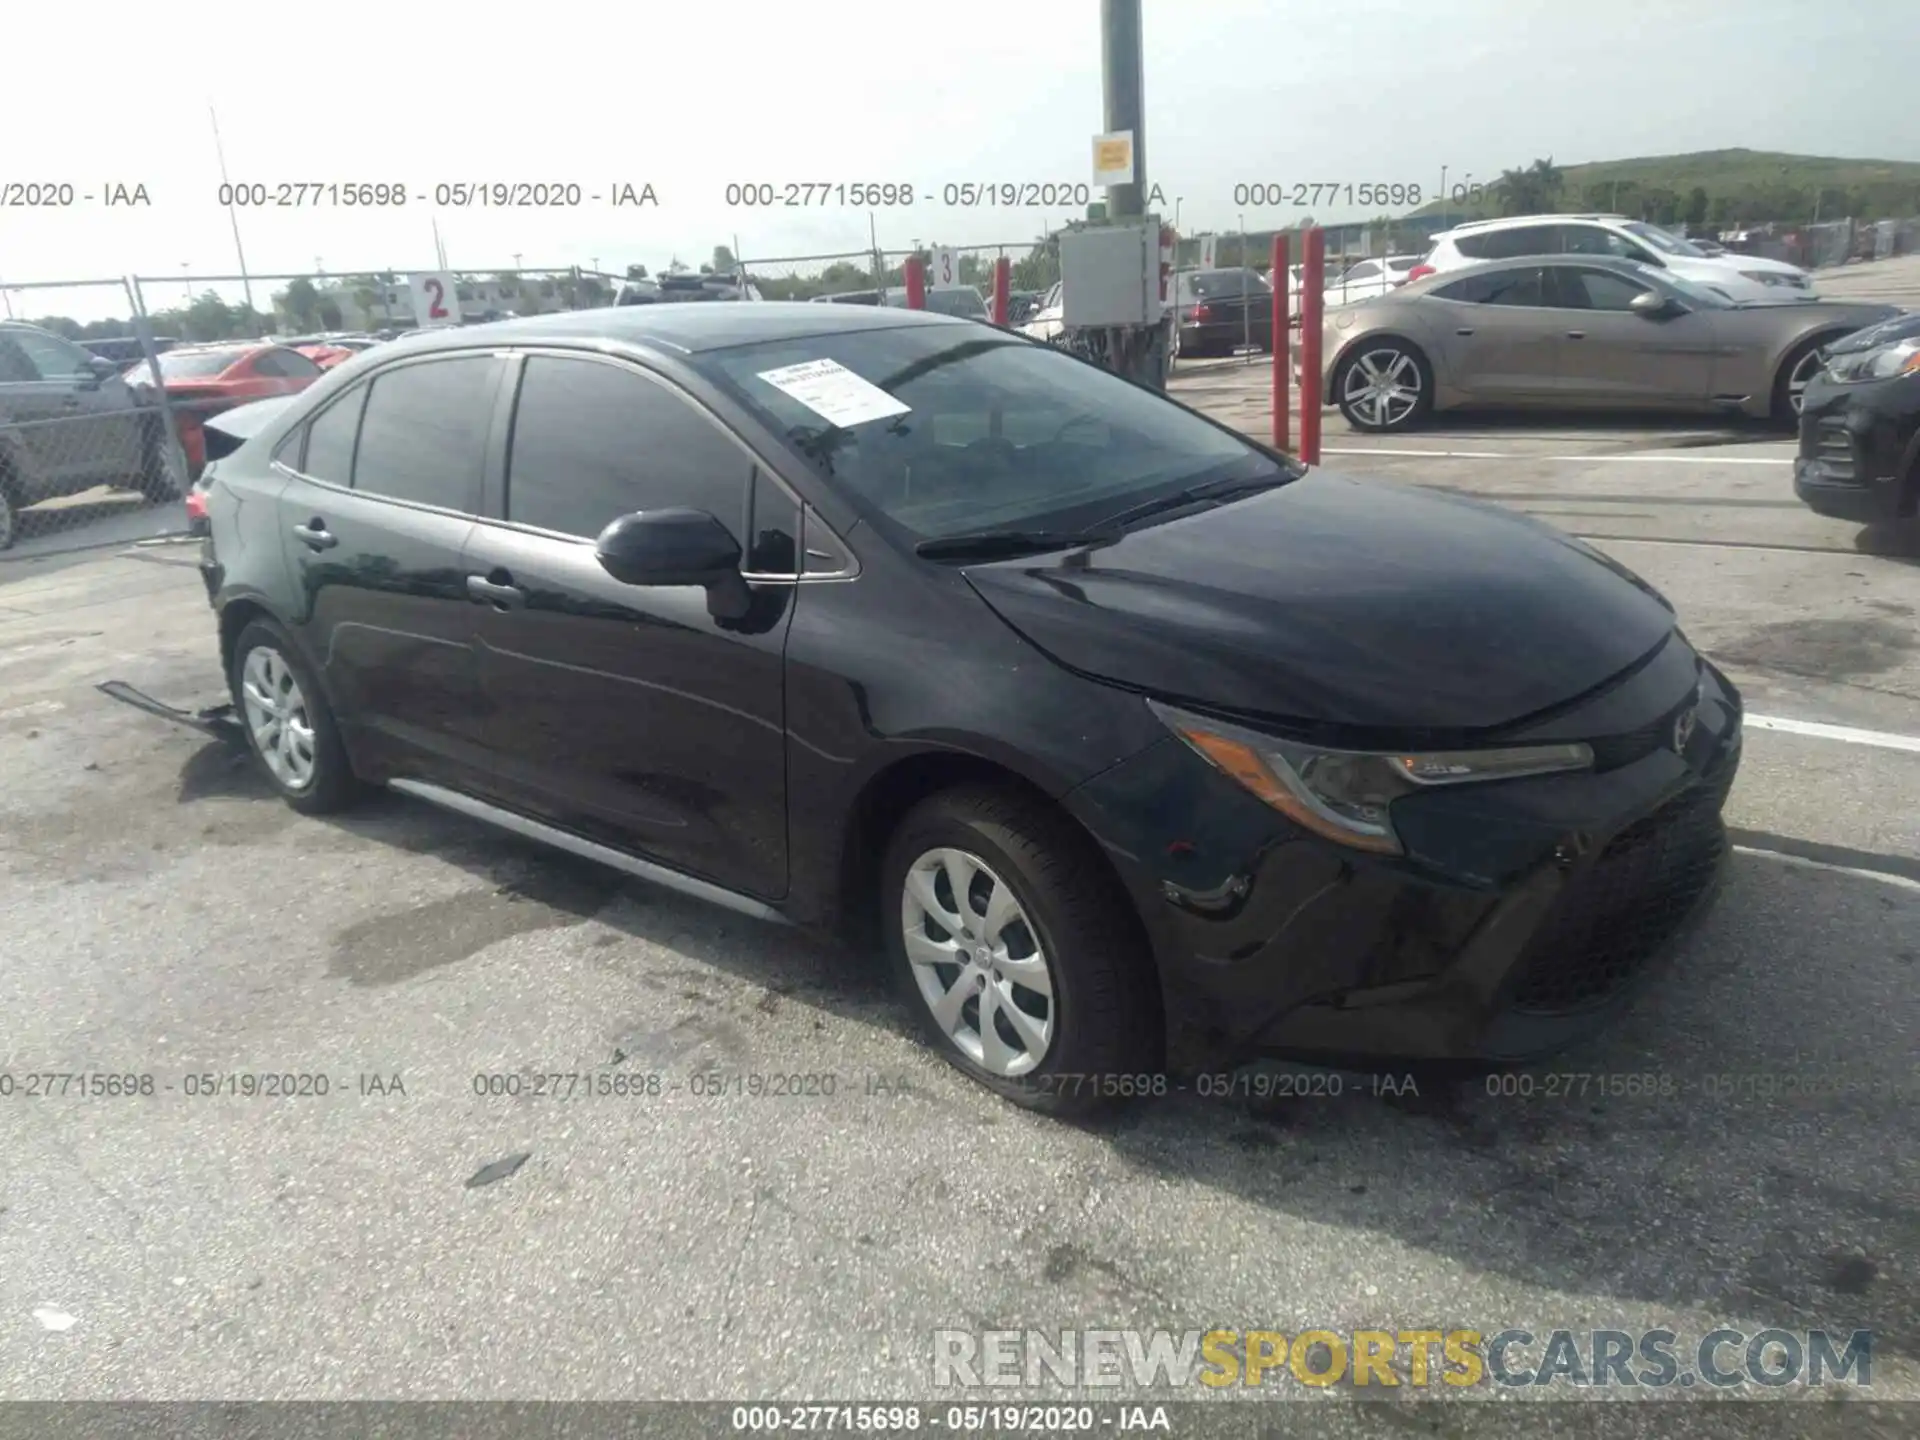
(1002, 289)
(1282, 344)
(1312, 309)
(916, 283)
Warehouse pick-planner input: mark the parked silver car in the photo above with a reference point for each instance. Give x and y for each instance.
(1565, 332)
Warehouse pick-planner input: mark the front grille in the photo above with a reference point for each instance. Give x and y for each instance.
(1616, 915)
(1833, 448)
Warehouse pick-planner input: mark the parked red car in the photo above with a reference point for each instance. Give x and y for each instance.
(202, 380)
(326, 356)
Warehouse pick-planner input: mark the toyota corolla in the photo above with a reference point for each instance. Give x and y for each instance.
(1129, 739)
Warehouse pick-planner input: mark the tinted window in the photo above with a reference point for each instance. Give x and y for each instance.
(1365, 270)
(285, 364)
(1522, 285)
(330, 437)
(52, 357)
(959, 428)
(15, 367)
(1211, 283)
(593, 442)
(1502, 244)
(1598, 290)
(775, 530)
(424, 433)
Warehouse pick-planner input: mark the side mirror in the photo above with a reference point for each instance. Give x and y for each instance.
(668, 547)
(1650, 305)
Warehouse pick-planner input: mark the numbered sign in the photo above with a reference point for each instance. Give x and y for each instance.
(435, 301)
(945, 269)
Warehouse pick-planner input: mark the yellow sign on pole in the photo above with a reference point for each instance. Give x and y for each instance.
(1113, 158)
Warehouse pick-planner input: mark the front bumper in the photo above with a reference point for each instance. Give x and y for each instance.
(1525, 914)
(1859, 456)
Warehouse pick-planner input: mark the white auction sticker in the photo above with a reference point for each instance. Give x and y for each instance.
(834, 392)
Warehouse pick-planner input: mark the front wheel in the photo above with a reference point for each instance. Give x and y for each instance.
(1789, 388)
(1383, 387)
(1019, 952)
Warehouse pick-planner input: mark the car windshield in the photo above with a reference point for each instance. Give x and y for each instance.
(1210, 283)
(941, 430)
(1661, 240)
(187, 365)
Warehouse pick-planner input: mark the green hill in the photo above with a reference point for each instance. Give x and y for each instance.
(1712, 187)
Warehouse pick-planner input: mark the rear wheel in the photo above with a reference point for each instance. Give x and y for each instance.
(1383, 387)
(289, 726)
(1019, 953)
(159, 473)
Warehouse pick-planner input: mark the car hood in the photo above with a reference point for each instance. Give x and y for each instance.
(1761, 263)
(1901, 325)
(1339, 603)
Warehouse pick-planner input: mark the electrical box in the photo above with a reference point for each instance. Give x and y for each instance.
(1110, 275)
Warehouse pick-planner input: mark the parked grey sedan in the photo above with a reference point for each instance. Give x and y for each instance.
(1566, 332)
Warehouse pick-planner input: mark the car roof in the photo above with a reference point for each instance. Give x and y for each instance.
(1508, 222)
(687, 328)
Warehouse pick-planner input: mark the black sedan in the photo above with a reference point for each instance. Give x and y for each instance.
(1117, 730)
(1219, 311)
(1860, 427)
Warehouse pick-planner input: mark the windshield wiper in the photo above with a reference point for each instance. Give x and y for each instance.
(1193, 495)
(989, 544)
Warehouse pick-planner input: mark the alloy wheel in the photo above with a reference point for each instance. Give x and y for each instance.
(978, 962)
(1381, 387)
(1804, 369)
(277, 717)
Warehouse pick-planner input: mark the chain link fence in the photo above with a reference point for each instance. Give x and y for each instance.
(84, 454)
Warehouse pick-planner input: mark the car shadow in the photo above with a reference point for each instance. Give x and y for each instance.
(1739, 1142)
(1684, 431)
(1890, 540)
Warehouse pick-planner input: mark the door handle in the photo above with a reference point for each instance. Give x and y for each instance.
(1576, 334)
(501, 596)
(315, 535)
(1464, 330)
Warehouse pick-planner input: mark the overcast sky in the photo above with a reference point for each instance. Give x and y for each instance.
(690, 97)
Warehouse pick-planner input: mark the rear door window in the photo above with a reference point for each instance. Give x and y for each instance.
(423, 434)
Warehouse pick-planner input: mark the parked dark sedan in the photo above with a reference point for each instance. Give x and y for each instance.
(1860, 427)
(1219, 311)
(1130, 739)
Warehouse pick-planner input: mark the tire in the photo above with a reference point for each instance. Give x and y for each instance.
(1096, 1035)
(9, 514)
(157, 480)
(325, 783)
(1375, 413)
(1781, 411)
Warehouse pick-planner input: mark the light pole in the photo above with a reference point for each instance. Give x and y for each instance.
(1176, 211)
(1443, 197)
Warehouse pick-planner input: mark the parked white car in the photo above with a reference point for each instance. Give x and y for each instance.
(1050, 318)
(1739, 277)
(1371, 279)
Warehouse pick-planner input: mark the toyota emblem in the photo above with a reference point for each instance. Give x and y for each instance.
(1683, 731)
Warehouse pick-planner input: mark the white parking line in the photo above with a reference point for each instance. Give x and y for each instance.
(1645, 459)
(1881, 739)
(1900, 882)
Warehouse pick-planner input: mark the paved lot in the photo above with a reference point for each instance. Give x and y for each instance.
(165, 915)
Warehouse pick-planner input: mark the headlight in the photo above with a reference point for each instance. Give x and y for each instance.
(1345, 795)
(1881, 364)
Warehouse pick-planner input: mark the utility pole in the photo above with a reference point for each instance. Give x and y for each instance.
(1137, 352)
(233, 217)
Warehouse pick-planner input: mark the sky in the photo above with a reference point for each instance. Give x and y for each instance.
(690, 100)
